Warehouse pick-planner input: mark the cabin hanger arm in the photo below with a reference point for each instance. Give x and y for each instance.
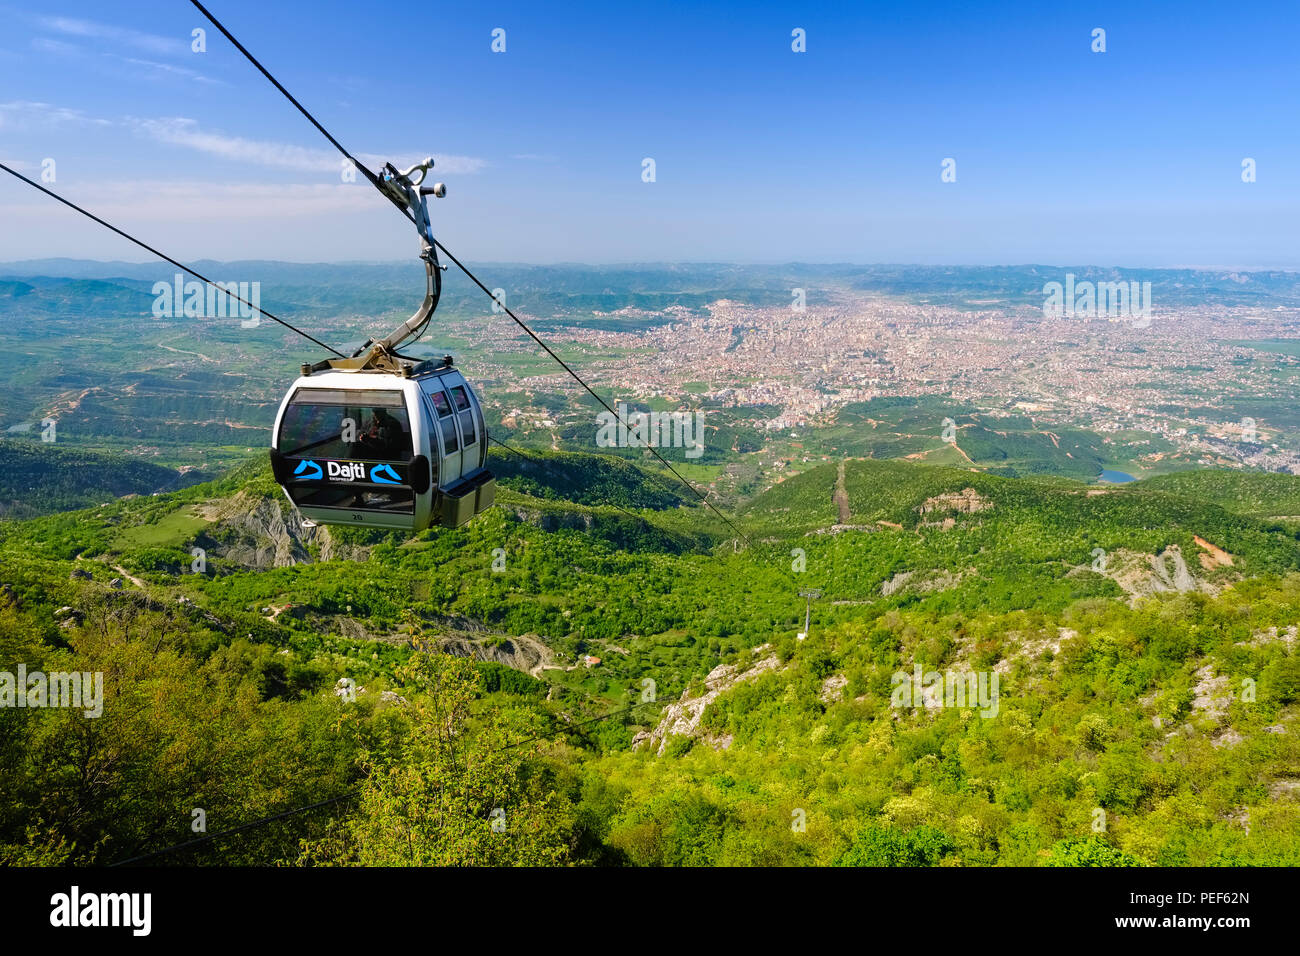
(407, 187)
(408, 191)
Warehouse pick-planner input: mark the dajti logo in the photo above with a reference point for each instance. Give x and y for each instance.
(345, 470)
(76, 689)
(221, 300)
(932, 689)
(651, 430)
(1092, 300)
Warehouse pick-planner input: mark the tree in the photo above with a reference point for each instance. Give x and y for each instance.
(877, 845)
(454, 792)
(1093, 851)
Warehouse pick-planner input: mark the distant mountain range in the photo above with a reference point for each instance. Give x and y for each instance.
(554, 291)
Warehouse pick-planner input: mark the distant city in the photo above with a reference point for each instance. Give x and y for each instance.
(792, 365)
(1211, 385)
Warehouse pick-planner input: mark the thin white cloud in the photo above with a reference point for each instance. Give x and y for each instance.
(185, 132)
(168, 69)
(58, 47)
(19, 113)
(188, 134)
(90, 30)
(180, 131)
(190, 201)
(442, 162)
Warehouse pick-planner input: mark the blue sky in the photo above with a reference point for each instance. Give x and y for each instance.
(1066, 156)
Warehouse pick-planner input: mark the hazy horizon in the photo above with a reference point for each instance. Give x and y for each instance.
(663, 263)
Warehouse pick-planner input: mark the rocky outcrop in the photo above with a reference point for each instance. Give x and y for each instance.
(1034, 649)
(355, 630)
(524, 653)
(683, 717)
(333, 550)
(1211, 696)
(840, 529)
(1171, 572)
(1141, 575)
(924, 582)
(1272, 635)
(257, 533)
(833, 688)
(896, 583)
(966, 501)
(554, 520)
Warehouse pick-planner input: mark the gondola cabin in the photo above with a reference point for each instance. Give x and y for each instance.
(382, 449)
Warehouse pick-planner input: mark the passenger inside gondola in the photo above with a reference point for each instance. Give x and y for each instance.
(384, 438)
(314, 427)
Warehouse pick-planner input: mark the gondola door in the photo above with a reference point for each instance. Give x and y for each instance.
(470, 449)
(436, 451)
(444, 419)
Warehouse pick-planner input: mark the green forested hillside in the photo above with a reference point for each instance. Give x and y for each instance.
(1009, 444)
(587, 480)
(626, 686)
(40, 478)
(1251, 493)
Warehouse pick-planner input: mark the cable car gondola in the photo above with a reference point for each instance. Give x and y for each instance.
(381, 439)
